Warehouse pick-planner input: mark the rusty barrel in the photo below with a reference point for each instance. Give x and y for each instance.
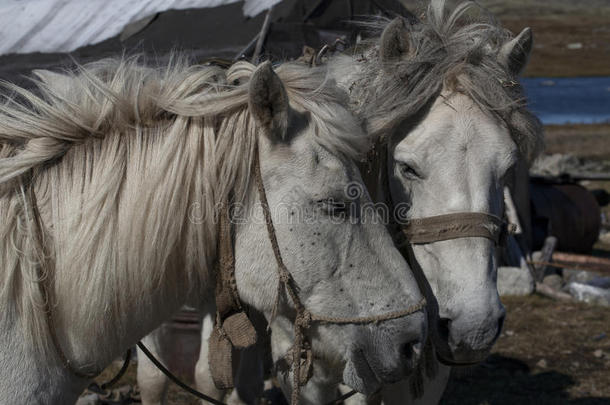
(567, 211)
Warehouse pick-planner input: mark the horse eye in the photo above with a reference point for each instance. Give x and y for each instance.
(408, 171)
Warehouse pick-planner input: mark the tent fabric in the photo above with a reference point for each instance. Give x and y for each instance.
(206, 34)
(65, 25)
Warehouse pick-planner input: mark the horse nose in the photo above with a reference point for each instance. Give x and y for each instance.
(500, 324)
(411, 349)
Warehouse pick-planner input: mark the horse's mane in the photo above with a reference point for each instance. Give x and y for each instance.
(453, 50)
(119, 155)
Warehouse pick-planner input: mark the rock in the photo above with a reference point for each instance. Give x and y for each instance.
(598, 353)
(554, 281)
(89, 399)
(589, 294)
(541, 363)
(515, 281)
(578, 276)
(574, 45)
(549, 292)
(555, 165)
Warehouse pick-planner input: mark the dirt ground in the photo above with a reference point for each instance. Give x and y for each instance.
(549, 353)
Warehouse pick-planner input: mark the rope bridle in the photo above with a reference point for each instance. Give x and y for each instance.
(301, 354)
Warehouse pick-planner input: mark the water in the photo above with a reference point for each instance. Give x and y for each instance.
(582, 100)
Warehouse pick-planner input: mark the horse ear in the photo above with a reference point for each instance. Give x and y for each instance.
(268, 101)
(516, 52)
(394, 41)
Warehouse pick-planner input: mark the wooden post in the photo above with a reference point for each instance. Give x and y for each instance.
(262, 36)
(547, 253)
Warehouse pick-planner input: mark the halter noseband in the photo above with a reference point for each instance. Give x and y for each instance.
(420, 231)
(457, 225)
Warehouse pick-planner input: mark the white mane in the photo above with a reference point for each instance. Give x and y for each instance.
(128, 164)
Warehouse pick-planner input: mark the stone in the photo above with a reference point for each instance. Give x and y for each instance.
(542, 363)
(598, 353)
(578, 276)
(89, 399)
(554, 281)
(592, 295)
(515, 281)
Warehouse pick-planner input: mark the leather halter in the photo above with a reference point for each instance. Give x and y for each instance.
(456, 225)
(419, 231)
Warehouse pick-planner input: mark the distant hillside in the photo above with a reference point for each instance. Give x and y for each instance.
(572, 37)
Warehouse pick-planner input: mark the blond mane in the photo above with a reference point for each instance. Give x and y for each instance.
(128, 164)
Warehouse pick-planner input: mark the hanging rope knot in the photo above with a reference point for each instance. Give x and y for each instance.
(303, 319)
(284, 277)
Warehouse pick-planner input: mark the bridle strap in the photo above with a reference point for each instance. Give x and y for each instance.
(454, 226)
(304, 318)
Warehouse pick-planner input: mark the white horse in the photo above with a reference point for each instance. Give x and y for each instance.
(443, 97)
(110, 181)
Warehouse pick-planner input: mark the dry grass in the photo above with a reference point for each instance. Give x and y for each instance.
(587, 141)
(556, 24)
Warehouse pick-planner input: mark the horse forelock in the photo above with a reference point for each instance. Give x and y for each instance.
(450, 50)
(128, 163)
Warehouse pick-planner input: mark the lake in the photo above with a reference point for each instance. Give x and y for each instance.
(583, 100)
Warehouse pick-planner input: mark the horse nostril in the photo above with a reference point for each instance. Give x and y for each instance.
(443, 328)
(412, 351)
(500, 324)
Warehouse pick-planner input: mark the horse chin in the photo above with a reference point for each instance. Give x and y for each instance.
(359, 376)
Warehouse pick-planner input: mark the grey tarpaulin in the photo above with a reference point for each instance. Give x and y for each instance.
(220, 32)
